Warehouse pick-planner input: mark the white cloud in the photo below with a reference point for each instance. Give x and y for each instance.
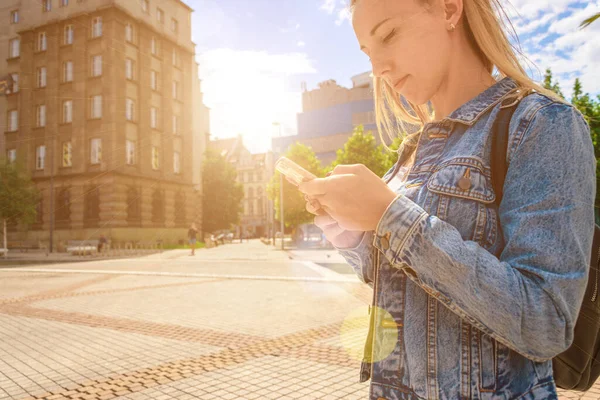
(247, 91)
(329, 6)
(339, 8)
(301, 43)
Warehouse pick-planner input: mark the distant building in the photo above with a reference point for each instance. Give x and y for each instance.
(107, 106)
(329, 115)
(254, 172)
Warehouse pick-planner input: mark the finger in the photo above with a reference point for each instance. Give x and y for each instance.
(325, 220)
(350, 169)
(333, 231)
(315, 187)
(314, 207)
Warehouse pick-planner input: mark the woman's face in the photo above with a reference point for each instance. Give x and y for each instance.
(408, 44)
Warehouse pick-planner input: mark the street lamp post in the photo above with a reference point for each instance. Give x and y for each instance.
(280, 198)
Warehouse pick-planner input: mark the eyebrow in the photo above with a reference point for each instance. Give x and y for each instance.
(375, 29)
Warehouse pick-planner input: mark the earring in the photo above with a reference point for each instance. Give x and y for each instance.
(452, 27)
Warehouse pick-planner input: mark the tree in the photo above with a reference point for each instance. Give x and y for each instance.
(548, 84)
(293, 200)
(590, 109)
(589, 20)
(18, 195)
(361, 148)
(222, 200)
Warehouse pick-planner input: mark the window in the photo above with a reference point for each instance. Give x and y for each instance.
(40, 157)
(67, 154)
(96, 107)
(155, 163)
(154, 46)
(62, 209)
(14, 17)
(67, 112)
(96, 27)
(14, 48)
(40, 116)
(154, 80)
(91, 213)
(129, 33)
(129, 63)
(174, 26)
(15, 83)
(46, 5)
(160, 16)
(154, 117)
(158, 206)
(68, 71)
(175, 58)
(11, 155)
(176, 162)
(175, 124)
(145, 6)
(41, 77)
(13, 120)
(130, 149)
(68, 34)
(129, 109)
(64, 3)
(134, 209)
(96, 65)
(96, 151)
(175, 89)
(42, 43)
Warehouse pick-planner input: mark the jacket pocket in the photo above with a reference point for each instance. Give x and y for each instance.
(465, 199)
(488, 362)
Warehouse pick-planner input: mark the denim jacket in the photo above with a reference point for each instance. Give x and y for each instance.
(473, 300)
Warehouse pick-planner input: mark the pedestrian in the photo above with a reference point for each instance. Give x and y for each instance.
(472, 298)
(192, 232)
(101, 243)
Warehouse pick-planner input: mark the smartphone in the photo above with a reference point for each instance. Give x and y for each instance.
(295, 173)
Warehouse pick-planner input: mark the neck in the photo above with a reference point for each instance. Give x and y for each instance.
(466, 78)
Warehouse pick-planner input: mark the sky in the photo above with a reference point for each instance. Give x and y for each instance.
(253, 55)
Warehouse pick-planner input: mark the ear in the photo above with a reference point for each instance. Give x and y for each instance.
(453, 10)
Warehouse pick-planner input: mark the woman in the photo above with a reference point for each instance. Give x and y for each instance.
(192, 232)
(472, 300)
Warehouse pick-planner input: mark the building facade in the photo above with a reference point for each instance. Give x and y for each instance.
(103, 116)
(254, 171)
(329, 115)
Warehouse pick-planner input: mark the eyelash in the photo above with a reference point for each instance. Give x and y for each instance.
(389, 36)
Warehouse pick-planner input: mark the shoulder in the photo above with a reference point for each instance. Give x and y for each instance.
(538, 114)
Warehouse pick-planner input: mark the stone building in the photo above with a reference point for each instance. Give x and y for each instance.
(107, 110)
(254, 171)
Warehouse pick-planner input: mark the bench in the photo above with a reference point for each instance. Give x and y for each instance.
(82, 247)
(25, 245)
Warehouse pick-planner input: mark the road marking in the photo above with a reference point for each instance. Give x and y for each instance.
(337, 278)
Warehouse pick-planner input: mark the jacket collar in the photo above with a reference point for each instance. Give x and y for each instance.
(472, 110)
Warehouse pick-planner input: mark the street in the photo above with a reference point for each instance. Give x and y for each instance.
(240, 321)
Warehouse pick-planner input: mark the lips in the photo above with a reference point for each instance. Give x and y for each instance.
(399, 83)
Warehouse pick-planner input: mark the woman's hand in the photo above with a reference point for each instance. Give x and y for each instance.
(353, 196)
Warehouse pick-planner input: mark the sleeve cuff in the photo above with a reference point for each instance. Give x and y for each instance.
(357, 256)
(396, 225)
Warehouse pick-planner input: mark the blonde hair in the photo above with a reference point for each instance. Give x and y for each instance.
(486, 33)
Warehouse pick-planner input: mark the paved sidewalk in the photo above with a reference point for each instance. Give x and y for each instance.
(240, 321)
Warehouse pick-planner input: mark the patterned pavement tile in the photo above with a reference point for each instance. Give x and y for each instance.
(255, 308)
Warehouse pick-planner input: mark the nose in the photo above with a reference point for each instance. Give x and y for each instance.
(381, 67)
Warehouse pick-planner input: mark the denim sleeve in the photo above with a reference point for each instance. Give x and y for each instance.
(528, 298)
(360, 258)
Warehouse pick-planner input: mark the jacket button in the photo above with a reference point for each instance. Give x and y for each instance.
(464, 183)
(385, 243)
